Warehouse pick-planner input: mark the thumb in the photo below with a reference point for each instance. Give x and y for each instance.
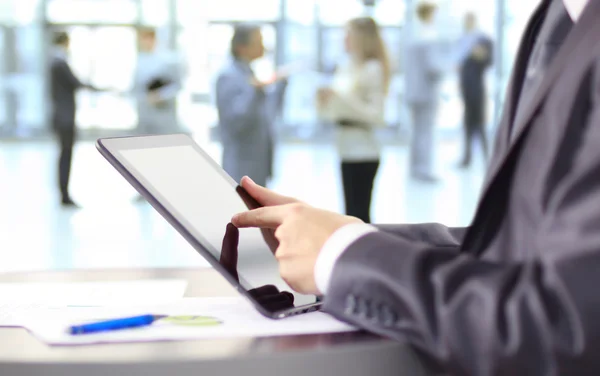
(264, 196)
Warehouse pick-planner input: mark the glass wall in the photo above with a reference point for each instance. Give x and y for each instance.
(104, 53)
(299, 38)
(21, 69)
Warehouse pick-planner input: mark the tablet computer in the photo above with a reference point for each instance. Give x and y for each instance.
(197, 197)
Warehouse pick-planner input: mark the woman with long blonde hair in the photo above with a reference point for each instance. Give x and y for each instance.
(355, 103)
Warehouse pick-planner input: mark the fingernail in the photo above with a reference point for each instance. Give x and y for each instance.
(248, 179)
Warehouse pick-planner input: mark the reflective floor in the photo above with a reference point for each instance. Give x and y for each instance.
(112, 230)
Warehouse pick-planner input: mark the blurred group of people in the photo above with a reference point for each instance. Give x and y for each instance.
(354, 102)
(428, 61)
(156, 83)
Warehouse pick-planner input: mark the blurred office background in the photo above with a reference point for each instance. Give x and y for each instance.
(111, 229)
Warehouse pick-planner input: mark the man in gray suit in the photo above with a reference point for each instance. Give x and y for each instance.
(515, 293)
(247, 109)
(423, 73)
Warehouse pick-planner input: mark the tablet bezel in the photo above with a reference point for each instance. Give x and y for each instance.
(109, 147)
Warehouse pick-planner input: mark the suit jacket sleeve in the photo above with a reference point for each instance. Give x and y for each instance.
(483, 317)
(64, 75)
(434, 234)
(236, 100)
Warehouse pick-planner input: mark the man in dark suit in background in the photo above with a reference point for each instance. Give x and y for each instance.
(476, 58)
(515, 293)
(63, 86)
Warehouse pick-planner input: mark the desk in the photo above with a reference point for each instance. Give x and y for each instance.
(308, 355)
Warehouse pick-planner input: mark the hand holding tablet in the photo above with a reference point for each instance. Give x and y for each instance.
(193, 193)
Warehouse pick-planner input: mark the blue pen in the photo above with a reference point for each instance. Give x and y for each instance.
(115, 324)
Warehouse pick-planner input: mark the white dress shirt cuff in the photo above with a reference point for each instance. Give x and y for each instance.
(334, 247)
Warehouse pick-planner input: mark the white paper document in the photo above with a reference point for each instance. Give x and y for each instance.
(18, 301)
(187, 318)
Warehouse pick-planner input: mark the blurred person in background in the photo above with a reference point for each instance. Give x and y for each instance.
(63, 87)
(476, 58)
(355, 102)
(157, 82)
(247, 108)
(425, 66)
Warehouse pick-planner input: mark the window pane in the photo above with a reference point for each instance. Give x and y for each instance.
(301, 43)
(19, 12)
(219, 37)
(93, 60)
(256, 10)
(269, 37)
(29, 41)
(301, 11)
(155, 12)
(332, 13)
(392, 37)
(191, 12)
(188, 11)
(2, 107)
(106, 11)
(390, 12)
(114, 57)
(192, 42)
(301, 46)
(333, 46)
(3, 83)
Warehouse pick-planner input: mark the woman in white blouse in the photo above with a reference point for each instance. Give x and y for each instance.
(355, 102)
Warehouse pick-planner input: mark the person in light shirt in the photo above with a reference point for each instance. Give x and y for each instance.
(513, 293)
(355, 102)
(425, 65)
(157, 82)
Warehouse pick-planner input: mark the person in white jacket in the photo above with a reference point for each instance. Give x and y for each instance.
(355, 102)
(157, 82)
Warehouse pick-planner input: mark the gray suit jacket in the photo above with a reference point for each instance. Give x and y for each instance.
(516, 293)
(246, 117)
(425, 64)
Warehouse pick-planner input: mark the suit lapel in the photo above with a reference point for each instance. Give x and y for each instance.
(514, 89)
(573, 42)
(493, 202)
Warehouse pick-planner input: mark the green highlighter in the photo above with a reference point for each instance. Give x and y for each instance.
(192, 320)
